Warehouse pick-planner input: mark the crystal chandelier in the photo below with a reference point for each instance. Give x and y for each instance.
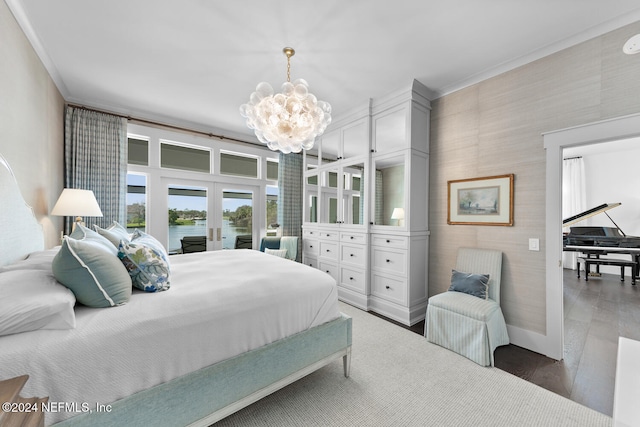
(288, 121)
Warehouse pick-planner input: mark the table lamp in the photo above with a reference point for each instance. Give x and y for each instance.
(77, 203)
(398, 213)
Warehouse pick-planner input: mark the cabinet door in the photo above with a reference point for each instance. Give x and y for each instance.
(355, 139)
(390, 131)
(330, 147)
(353, 195)
(389, 191)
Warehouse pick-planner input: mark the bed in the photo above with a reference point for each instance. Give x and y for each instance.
(233, 327)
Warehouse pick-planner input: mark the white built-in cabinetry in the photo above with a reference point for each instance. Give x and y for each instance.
(366, 205)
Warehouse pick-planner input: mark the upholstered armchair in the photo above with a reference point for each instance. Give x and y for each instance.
(276, 243)
(464, 320)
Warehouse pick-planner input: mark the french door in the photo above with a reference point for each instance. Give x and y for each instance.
(223, 215)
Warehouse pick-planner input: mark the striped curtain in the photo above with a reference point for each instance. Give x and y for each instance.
(95, 156)
(290, 197)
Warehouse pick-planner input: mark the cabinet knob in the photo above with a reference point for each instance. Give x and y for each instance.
(350, 278)
(351, 237)
(328, 250)
(388, 260)
(311, 246)
(327, 271)
(351, 255)
(388, 287)
(388, 241)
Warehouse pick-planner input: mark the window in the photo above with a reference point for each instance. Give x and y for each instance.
(136, 202)
(238, 165)
(185, 158)
(272, 210)
(138, 151)
(272, 170)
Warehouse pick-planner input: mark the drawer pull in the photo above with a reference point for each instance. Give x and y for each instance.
(351, 237)
(388, 260)
(351, 255)
(311, 246)
(388, 287)
(328, 250)
(388, 241)
(350, 278)
(327, 271)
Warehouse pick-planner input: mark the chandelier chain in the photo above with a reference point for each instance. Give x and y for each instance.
(288, 68)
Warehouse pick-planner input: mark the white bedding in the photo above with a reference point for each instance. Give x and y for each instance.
(220, 304)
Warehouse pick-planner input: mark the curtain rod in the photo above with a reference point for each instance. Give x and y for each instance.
(571, 158)
(150, 122)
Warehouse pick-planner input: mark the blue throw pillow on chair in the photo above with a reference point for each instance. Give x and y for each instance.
(468, 283)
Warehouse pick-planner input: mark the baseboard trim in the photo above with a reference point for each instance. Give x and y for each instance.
(530, 340)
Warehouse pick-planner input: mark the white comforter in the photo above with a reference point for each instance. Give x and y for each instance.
(220, 304)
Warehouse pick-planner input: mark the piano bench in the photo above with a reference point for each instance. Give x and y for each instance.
(588, 262)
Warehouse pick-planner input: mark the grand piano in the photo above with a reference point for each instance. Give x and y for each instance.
(594, 243)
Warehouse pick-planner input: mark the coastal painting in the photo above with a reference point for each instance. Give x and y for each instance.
(481, 201)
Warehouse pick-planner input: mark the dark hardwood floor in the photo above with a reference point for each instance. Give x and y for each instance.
(596, 313)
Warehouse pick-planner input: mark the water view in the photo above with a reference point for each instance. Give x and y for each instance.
(229, 233)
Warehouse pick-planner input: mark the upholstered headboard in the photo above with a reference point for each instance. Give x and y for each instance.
(20, 231)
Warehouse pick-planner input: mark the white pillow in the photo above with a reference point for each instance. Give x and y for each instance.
(33, 299)
(282, 253)
(40, 260)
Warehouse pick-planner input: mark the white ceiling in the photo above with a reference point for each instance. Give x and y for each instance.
(193, 62)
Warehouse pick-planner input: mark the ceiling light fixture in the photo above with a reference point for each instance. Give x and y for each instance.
(288, 121)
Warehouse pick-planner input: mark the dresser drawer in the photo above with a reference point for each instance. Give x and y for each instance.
(306, 233)
(310, 261)
(387, 241)
(353, 279)
(328, 250)
(330, 235)
(330, 268)
(359, 238)
(389, 260)
(353, 254)
(310, 246)
(391, 289)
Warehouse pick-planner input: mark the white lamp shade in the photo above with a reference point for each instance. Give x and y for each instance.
(74, 202)
(398, 213)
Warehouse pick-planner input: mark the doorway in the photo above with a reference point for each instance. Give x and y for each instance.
(555, 143)
(217, 213)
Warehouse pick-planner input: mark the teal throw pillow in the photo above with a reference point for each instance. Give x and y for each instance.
(114, 233)
(83, 233)
(92, 272)
(472, 284)
(148, 269)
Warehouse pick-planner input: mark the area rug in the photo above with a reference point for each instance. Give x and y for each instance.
(400, 379)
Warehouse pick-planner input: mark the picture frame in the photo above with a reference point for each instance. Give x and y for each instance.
(481, 201)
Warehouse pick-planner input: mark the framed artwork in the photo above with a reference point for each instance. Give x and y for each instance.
(481, 201)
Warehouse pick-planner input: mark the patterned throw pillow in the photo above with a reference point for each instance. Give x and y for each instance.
(148, 268)
(150, 241)
(282, 253)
